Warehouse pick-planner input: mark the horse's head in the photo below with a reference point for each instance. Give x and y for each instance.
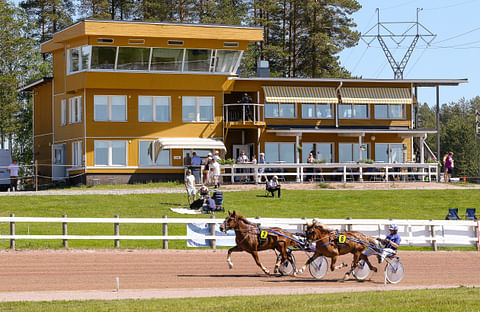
(315, 230)
(230, 222)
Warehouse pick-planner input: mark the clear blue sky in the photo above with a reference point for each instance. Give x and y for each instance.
(453, 54)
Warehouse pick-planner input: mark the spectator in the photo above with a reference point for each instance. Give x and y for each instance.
(217, 156)
(206, 169)
(449, 166)
(242, 159)
(203, 192)
(445, 172)
(274, 186)
(13, 170)
(187, 160)
(190, 187)
(310, 160)
(261, 171)
(216, 172)
(196, 161)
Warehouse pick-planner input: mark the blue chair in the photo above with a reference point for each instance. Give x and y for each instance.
(452, 214)
(470, 214)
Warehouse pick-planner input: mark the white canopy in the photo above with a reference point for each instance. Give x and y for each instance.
(186, 143)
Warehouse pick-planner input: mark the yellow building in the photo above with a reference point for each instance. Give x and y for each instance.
(131, 101)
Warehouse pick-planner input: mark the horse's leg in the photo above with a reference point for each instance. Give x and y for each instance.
(365, 258)
(356, 256)
(254, 254)
(229, 260)
(310, 260)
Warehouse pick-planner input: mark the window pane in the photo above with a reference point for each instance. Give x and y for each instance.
(101, 153)
(271, 110)
(144, 153)
(356, 151)
(162, 108)
(163, 158)
(74, 60)
(345, 152)
(324, 151)
(345, 111)
(396, 153)
(324, 110)
(167, 59)
(119, 155)
(103, 57)
(287, 110)
(381, 111)
(119, 108)
(396, 111)
(308, 110)
(271, 152)
(100, 107)
(360, 110)
(226, 60)
(381, 152)
(307, 148)
(206, 108)
(287, 152)
(64, 112)
(145, 108)
(133, 58)
(197, 60)
(189, 108)
(85, 56)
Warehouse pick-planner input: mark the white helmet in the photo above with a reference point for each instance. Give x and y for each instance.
(393, 227)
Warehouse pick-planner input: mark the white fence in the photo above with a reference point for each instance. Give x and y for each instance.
(432, 233)
(381, 172)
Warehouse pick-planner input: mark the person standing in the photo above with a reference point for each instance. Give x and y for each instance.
(13, 170)
(190, 187)
(196, 161)
(310, 160)
(449, 167)
(216, 172)
(261, 171)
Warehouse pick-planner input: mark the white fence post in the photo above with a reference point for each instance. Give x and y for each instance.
(65, 232)
(213, 242)
(165, 233)
(12, 232)
(116, 229)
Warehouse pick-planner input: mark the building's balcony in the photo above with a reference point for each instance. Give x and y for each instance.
(243, 115)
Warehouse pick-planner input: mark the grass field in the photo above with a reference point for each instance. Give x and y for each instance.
(458, 299)
(374, 204)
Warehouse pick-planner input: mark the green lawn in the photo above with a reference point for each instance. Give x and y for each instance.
(374, 204)
(458, 299)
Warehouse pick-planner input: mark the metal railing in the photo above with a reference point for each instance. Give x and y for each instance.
(243, 112)
(431, 233)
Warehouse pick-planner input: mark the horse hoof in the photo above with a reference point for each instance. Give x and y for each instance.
(374, 269)
(346, 277)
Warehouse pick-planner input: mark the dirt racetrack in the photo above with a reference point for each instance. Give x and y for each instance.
(92, 274)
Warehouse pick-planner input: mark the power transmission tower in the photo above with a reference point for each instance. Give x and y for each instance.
(383, 31)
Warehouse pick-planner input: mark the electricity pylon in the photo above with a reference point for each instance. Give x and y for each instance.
(384, 32)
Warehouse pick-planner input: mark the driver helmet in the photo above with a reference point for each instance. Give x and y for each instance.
(393, 227)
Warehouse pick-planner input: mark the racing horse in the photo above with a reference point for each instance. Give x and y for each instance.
(251, 239)
(332, 244)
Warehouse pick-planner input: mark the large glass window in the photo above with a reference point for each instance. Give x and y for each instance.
(348, 152)
(354, 111)
(77, 154)
(316, 111)
(197, 108)
(75, 109)
(280, 152)
(146, 155)
(153, 108)
(103, 57)
(389, 153)
(226, 61)
(73, 60)
(279, 110)
(321, 151)
(110, 153)
(133, 58)
(197, 60)
(63, 112)
(167, 59)
(110, 107)
(389, 111)
(85, 56)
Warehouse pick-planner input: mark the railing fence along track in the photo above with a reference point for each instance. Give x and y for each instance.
(433, 233)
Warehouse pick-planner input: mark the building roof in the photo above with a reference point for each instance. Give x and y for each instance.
(35, 84)
(152, 30)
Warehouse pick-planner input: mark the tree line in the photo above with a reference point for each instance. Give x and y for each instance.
(302, 38)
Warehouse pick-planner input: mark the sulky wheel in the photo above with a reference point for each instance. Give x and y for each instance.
(319, 267)
(394, 271)
(286, 268)
(362, 271)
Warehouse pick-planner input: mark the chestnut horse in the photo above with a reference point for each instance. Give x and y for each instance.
(251, 239)
(331, 244)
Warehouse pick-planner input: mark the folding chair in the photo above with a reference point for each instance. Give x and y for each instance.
(470, 214)
(452, 214)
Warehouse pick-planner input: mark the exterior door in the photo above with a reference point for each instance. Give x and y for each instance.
(238, 148)
(59, 170)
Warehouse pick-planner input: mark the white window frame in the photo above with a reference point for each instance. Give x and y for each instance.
(109, 108)
(279, 105)
(80, 59)
(63, 112)
(316, 109)
(389, 117)
(352, 107)
(154, 164)
(75, 106)
(77, 154)
(110, 154)
(197, 108)
(153, 107)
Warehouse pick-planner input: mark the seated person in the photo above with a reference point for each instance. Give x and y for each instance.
(273, 185)
(203, 192)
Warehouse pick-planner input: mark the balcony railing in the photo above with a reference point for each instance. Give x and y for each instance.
(243, 113)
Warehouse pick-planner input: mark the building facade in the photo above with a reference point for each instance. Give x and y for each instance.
(131, 101)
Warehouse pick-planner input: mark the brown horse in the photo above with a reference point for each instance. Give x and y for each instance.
(331, 244)
(251, 239)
